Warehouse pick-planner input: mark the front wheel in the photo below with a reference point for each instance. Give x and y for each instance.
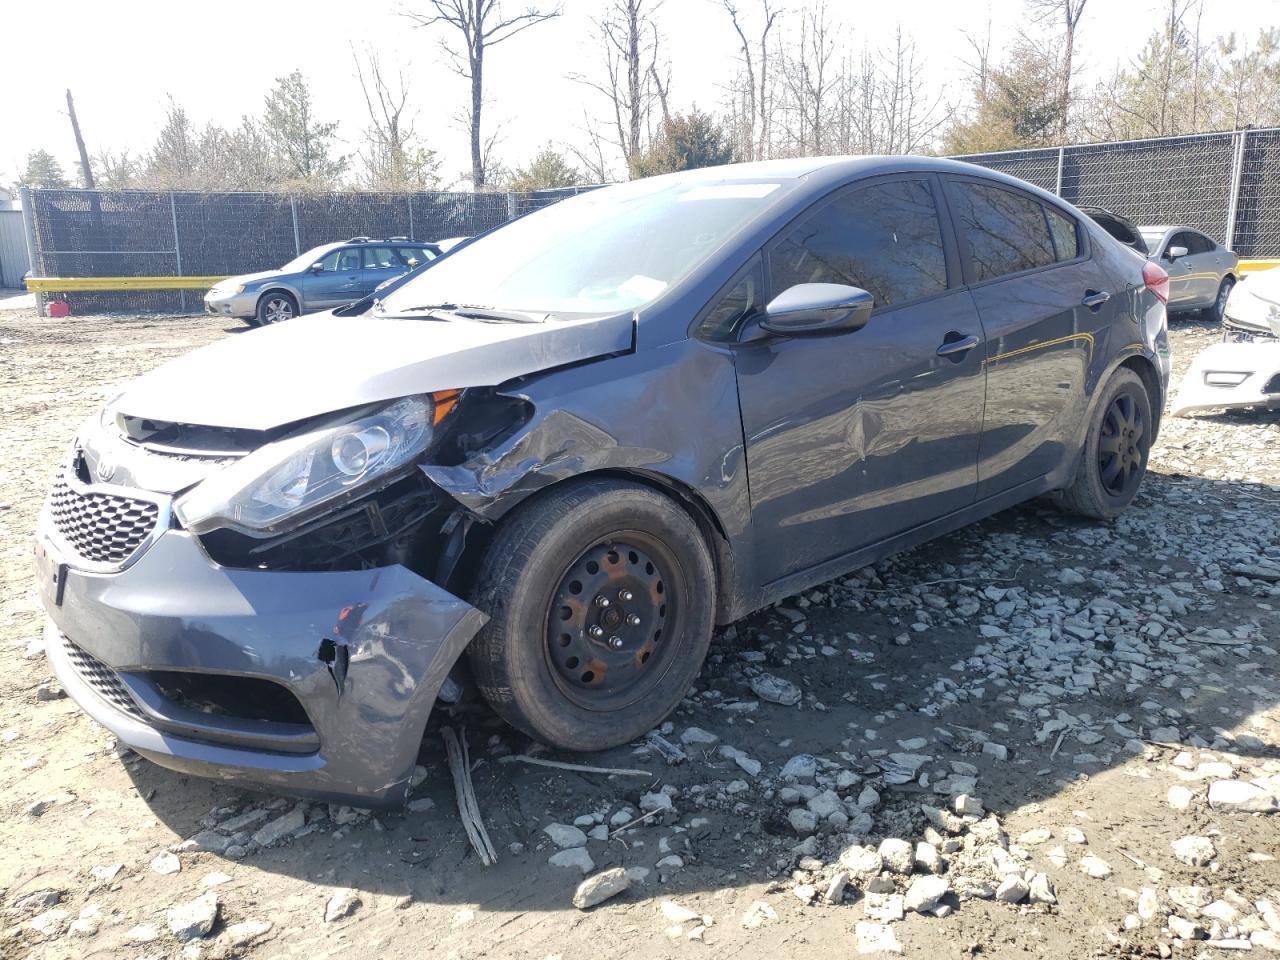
(1114, 459)
(602, 598)
(276, 307)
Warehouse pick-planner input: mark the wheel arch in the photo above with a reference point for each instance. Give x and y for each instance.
(293, 295)
(729, 606)
(1146, 371)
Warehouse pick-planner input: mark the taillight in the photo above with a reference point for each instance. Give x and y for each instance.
(1157, 280)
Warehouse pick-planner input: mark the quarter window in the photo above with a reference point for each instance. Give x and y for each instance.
(884, 238)
(1066, 241)
(742, 300)
(1006, 232)
(381, 258)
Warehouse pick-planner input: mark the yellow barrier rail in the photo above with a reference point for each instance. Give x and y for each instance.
(83, 284)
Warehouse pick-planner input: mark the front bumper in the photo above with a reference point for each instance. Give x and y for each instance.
(1232, 375)
(391, 639)
(237, 305)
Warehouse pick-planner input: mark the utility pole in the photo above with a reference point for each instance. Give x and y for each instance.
(86, 172)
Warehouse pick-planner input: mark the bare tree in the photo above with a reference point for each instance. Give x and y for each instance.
(1068, 14)
(480, 24)
(86, 169)
(758, 114)
(394, 157)
(809, 81)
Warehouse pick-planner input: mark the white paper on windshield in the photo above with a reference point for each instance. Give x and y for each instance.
(729, 191)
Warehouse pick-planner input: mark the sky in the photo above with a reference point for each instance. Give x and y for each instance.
(122, 62)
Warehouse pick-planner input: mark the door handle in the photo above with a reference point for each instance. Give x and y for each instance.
(960, 344)
(1093, 299)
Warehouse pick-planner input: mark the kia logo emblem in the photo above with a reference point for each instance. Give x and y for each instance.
(105, 469)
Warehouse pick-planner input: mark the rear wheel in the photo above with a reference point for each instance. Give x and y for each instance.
(602, 599)
(1114, 459)
(1218, 311)
(276, 306)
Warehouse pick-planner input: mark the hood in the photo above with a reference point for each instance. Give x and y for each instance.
(320, 363)
(1265, 285)
(250, 277)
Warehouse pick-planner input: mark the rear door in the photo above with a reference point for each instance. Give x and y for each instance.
(856, 437)
(337, 280)
(379, 264)
(1046, 307)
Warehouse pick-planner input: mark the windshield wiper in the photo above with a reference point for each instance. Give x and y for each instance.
(476, 312)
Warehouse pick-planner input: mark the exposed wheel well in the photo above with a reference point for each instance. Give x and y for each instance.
(1146, 370)
(689, 499)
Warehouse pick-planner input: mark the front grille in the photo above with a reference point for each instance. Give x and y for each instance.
(100, 527)
(104, 681)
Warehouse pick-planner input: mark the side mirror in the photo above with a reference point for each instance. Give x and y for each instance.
(316, 267)
(1175, 252)
(813, 309)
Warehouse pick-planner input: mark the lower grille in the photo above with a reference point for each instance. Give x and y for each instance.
(104, 681)
(100, 527)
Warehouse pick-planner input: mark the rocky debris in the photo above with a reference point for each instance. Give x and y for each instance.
(281, 827)
(870, 938)
(206, 841)
(1094, 866)
(143, 933)
(655, 803)
(50, 922)
(758, 914)
(884, 907)
(246, 932)
(898, 856)
(1041, 890)
(925, 893)
(803, 821)
(49, 691)
(1180, 798)
(861, 861)
(775, 690)
(1239, 796)
(1194, 851)
(697, 737)
(165, 863)
(1012, 889)
(190, 921)
(601, 887)
(576, 858)
(342, 904)
(88, 921)
(802, 767)
(37, 901)
(566, 837)
(751, 766)
(106, 873)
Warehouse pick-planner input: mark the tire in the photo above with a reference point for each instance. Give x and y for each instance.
(275, 307)
(542, 581)
(1111, 470)
(1218, 311)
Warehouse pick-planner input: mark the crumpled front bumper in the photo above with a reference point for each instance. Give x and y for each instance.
(391, 639)
(1244, 374)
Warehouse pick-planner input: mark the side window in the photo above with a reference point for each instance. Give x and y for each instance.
(1066, 240)
(1006, 232)
(345, 260)
(380, 258)
(743, 299)
(415, 256)
(1198, 242)
(884, 238)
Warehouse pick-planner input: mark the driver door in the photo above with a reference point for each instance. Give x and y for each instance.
(853, 438)
(337, 282)
(1182, 291)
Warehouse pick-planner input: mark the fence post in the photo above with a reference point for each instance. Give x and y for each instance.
(1237, 172)
(177, 247)
(29, 230)
(293, 207)
(1058, 183)
(511, 206)
(408, 199)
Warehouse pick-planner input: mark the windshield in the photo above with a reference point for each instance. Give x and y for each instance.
(1152, 237)
(606, 251)
(304, 260)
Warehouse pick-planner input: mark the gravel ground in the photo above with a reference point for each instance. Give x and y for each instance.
(1035, 737)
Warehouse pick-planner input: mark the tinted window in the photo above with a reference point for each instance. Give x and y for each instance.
(1006, 232)
(743, 299)
(381, 258)
(883, 238)
(1198, 242)
(1066, 242)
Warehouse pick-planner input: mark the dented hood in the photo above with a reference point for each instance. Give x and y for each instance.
(321, 363)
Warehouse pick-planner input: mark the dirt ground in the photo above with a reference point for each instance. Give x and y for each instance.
(1075, 690)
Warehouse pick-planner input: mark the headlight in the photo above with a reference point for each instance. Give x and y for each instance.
(282, 480)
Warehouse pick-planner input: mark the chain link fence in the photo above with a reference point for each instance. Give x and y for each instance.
(129, 233)
(1224, 184)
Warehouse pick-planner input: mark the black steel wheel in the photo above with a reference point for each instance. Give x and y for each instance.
(601, 598)
(1114, 459)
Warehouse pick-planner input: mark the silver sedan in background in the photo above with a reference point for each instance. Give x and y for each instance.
(1201, 271)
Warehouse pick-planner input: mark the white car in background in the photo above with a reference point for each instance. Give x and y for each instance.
(1244, 369)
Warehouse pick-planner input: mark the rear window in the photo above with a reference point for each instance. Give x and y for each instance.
(1006, 232)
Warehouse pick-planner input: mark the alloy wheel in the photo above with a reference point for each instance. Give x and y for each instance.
(278, 308)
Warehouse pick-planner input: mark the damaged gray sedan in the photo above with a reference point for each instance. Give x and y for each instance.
(546, 467)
